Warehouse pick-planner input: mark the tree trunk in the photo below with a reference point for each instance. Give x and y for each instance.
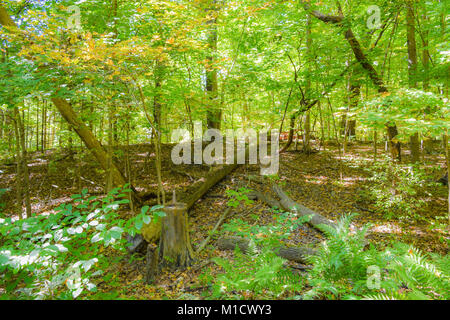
(152, 262)
(109, 151)
(37, 124)
(175, 250)
(412, 72)
(157, 106)
(44, 126)
(92, 143)
(19, 188)
(447, 158)
(23, 160)
(394, 144)
(291, 133)
(355, 91)
(289, 205)
(2, 124)
(214, 113)
(307, 127)
(375, 145)
(425, 54)
(296, 254)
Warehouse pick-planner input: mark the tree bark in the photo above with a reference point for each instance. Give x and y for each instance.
(425, 54)
(152, 264)
(157, 106)
(307, 130)
(291, 133)
(175, 250)
(289, 205)
(266, 198)
(355, 91)
(19, 188)
(447, 158)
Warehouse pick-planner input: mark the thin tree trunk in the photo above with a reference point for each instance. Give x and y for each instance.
(375, 146)
(307, 126)
(44, 126)
(19, 175)
(109, 172)
(37, 123)
(322, 131)
(157, 106)
(128, 161)
(214, 113)
(447, 160)
(23, 160)
(412, 72)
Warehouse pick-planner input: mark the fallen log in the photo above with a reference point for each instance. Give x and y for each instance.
(297, 254)
(191, 176)
(221, 220)
(151, 232)
(264, 197)
(290, 205)
(145, 196)
(211, 180)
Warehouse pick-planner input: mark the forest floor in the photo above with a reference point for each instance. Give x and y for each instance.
(325, 182)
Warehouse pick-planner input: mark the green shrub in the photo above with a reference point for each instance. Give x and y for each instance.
(398, 191)
(58, 256)
(238, 197)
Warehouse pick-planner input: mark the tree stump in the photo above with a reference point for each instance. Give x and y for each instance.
(152, 263)
(175, 250)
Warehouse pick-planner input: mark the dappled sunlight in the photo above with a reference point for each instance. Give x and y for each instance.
(387, 228)
(316, 179)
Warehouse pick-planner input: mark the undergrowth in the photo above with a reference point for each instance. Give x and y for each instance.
(60, 255)
(398, 191)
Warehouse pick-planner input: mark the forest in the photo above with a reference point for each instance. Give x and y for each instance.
(224, 150)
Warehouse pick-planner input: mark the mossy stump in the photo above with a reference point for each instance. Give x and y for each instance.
(175, 250)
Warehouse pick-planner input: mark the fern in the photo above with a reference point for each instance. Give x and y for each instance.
(419, 274)
(340, 269)
(340, 266)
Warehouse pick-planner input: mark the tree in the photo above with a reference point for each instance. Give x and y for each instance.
(412, 71)
(392, 130)
(80, 128)
(214, 114)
